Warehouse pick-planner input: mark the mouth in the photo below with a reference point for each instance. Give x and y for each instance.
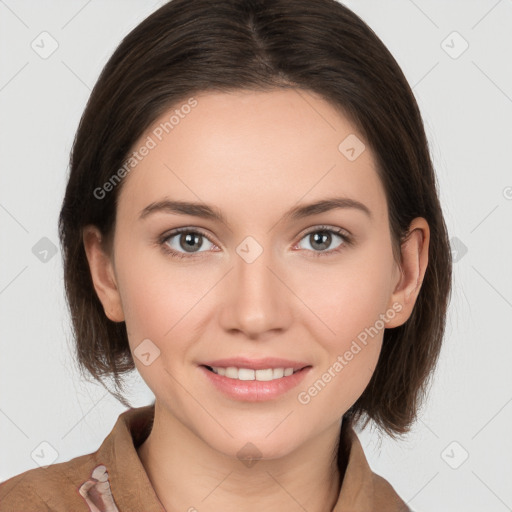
(248, 374)
(254, 385)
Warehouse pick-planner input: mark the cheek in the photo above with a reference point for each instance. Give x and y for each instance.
(350, 296)
(155, 297)
(159, 307)
(350, 300)
(351, 339)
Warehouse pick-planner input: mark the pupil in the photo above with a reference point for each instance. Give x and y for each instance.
(191, 239)
(323, 238)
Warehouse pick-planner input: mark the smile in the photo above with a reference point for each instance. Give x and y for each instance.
(265, 374)
(250, 385)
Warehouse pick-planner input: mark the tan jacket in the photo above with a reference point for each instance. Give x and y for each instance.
(113, 479)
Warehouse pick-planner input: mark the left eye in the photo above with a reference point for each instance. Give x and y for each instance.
(320, 240)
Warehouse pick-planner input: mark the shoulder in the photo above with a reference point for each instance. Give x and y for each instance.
(51, 488)
(86, 483)
(18, 493)
(386, 498)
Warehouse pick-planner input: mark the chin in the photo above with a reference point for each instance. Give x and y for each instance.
(252, 448)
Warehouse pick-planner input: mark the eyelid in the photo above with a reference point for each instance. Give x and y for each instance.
(324, 227)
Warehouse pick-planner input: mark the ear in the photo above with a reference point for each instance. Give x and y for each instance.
(102, 273)
(414, 251)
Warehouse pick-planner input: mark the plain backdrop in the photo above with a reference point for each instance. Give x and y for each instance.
(456, 56)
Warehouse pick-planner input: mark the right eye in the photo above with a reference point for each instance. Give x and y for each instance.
(178, 242)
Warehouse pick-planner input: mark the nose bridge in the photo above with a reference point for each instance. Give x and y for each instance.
(252, 270)
(256, 300)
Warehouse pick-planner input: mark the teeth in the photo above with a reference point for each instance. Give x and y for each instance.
(249, 374)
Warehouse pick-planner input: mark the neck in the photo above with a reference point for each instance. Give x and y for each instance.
(188, 474)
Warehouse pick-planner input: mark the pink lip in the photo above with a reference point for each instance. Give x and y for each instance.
(256, 364)
(254, 390)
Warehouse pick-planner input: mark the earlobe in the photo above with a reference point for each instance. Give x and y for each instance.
(102, 274)
(414, 252)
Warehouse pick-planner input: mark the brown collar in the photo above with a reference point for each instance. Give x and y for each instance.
(361, 489)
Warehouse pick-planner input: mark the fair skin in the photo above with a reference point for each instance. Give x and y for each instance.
(253, 156)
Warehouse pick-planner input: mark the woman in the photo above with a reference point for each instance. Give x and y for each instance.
(251, 221)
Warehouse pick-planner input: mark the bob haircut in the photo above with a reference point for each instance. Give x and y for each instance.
(193, 46)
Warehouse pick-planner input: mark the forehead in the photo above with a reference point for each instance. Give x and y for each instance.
(250, 148)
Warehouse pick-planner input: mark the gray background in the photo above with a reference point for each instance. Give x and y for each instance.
(459, 454)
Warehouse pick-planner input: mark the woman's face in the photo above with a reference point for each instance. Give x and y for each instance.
(263, 282)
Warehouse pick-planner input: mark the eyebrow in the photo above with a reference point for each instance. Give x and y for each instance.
(209, 212)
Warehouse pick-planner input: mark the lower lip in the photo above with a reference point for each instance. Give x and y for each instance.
(255, 390)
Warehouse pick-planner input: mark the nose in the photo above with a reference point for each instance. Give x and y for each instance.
(258, 299)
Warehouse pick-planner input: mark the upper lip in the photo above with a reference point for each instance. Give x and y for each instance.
(256, 364)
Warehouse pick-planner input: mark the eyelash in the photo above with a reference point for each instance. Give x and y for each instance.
(162, 241)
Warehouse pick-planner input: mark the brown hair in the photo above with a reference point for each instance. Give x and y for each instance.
(192, 46)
